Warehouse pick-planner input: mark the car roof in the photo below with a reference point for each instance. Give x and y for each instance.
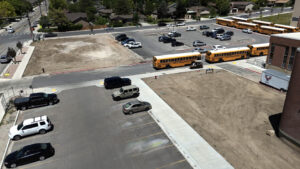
(34, 146)
(35, 119)
(129, 87)
(37, 94)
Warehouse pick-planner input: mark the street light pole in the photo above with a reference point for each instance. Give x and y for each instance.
(30, 26)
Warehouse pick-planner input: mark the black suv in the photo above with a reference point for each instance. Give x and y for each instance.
(165, 39)
(176, 43)
(35, 100)
(29, 153)
(161, 24)
(229, 33)
(121, 37)
(116, 82)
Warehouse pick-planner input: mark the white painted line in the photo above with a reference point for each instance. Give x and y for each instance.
(8, 142)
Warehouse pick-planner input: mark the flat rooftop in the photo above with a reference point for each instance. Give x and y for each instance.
(294, 36)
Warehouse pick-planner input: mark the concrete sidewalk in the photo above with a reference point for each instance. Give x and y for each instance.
(192, 146)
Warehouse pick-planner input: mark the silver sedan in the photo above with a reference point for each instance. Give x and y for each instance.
(136, 106)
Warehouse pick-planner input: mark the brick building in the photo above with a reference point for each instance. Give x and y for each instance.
(289, 126)
(282, 51)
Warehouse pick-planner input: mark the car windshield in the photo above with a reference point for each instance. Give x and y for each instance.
(43, 146)
(20, 126)
(45, 95)
(127, 105)
(121, 90)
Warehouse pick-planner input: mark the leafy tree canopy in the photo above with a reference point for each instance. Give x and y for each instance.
(6, 9)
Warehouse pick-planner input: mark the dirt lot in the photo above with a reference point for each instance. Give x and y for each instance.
(79, 53)
(232, 114)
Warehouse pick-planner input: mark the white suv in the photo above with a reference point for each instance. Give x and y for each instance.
(30, 126)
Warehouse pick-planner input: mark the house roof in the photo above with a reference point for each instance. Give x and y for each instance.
(105, 11)
(121, 16)
(242, 3)
(278, 1)
(172, 8)
(196, 9)
(74, 16)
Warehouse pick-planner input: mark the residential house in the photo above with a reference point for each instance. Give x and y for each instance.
(123, 18)
(241, 6)
(78, 18)
(196, 11)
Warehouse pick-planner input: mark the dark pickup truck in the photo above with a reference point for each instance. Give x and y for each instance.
(35, 100)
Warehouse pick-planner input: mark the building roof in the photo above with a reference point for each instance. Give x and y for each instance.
(172, 8)
(196, 9)
(273, 28)
(261, 45)
(293, 36)
(241, 3)
(228, 50)
(278, 1)
(105, 11)
(74, 16)
(120, 17)
(247, 23)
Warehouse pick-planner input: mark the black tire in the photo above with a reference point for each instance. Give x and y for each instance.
(221, 60)
(136, 95)
(13, 165)
(41, 158)
(23, 108)
(261, 54)
(17, 137)
(42, 131)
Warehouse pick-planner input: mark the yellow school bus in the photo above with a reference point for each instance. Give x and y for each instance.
(225, 22)
(246, 25)
(259, 49)
(287, 27)
(227, 54)
(270, 30)
(260, 23)
(175, 60)
(239, 19)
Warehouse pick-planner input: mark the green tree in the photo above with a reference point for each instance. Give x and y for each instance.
(6, 9)
(21, 7)
(162, 9)
(101, 20)
(149, 7)
(19, 45)
(223, 7)
(59, 19)
(11, 53)
(44, 21)
(123, 7)
(212, 12)
(58, 4)
(135, 18)
(180, 9)
(73, 7)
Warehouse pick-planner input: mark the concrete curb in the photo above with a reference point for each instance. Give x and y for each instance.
(22, 66)
(8, 142)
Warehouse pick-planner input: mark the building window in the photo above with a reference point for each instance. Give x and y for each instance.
(286, 53)
(292, 57)
(271, 53)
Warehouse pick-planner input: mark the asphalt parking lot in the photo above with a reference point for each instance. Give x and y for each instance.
(151, 46)
(90, 131)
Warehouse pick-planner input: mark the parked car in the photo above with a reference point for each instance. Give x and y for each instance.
(225, 37)
(126, 92)
(170, 25)
(190, 28)
(217, 47)
(176, 43)
(218, 30)
(133, 44)
(174, 34)
(166, 39)
(127, 40)
(218, 36)
(123, 38)
(119, 36)
(249, 31)
(230, 33)
(203, 27)
(206, 33)
(10, 30)
(180, 24)
(5, 59)
(28, 154)
(116, 82)
(198, 43)
(50, 34)
(196, 64)
(136, 106)
(201, 50)
(161, 24)
(35, 100)
(30, 126)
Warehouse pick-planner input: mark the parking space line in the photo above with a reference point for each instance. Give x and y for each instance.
(142, 125)
(172, 164)
(153, 149)
(150, 135)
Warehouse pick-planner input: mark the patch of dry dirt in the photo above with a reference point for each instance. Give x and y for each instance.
(232, 114)
(78, 53)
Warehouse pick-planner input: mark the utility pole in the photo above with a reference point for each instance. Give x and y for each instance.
(30, 26)
(40, 8)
